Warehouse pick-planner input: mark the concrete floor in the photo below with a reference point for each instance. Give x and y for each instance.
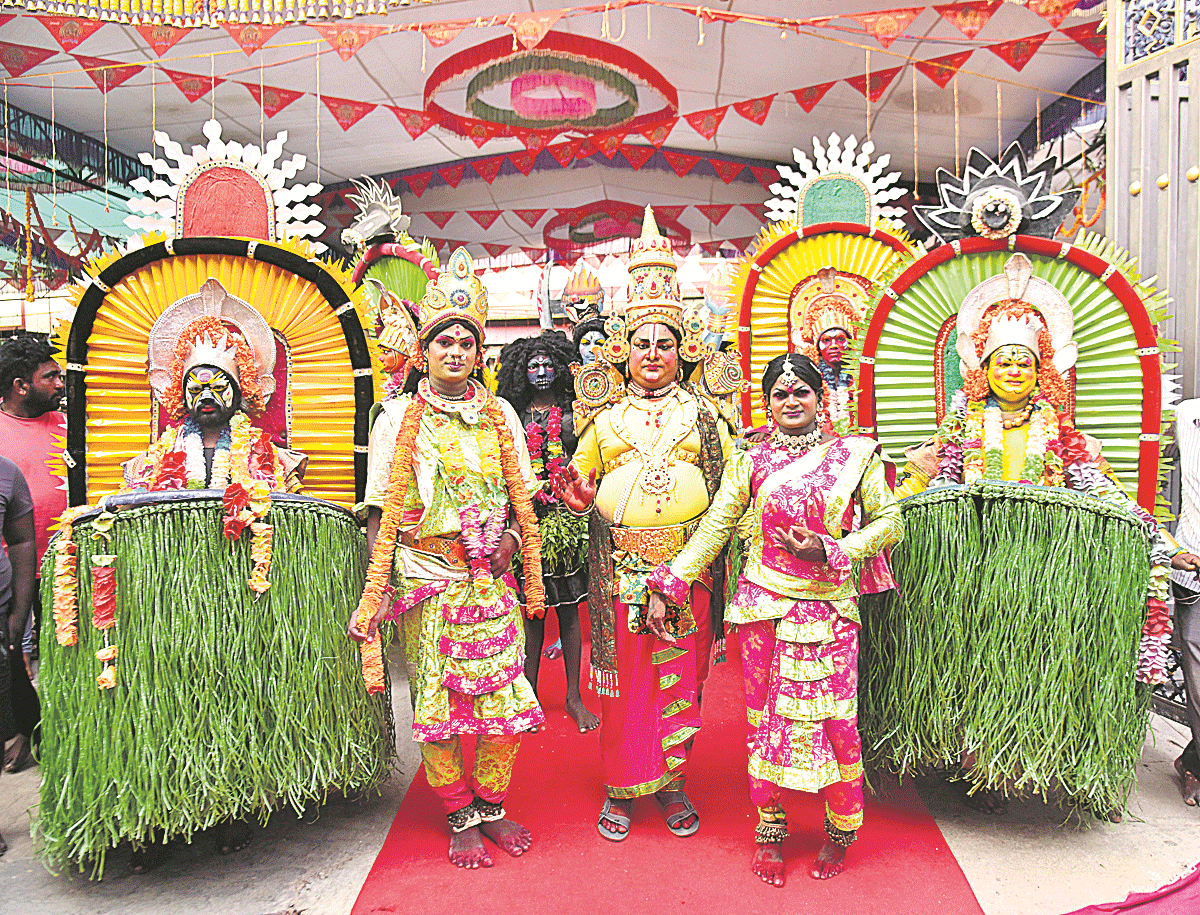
(1027, 861)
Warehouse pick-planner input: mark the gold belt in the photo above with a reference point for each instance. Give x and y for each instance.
(654, 545)
(679, 455)
(449, 549)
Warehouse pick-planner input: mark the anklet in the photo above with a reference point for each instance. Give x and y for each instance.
(463, 819)
(488, 812)
(772, 826)
(839, 836)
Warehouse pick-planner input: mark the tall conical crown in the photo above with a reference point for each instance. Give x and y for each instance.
(457, 293)
(653, 288)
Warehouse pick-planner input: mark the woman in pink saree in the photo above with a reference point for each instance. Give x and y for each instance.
(815, 514)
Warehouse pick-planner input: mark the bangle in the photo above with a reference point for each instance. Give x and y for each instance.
(516, 535)
(583, 514)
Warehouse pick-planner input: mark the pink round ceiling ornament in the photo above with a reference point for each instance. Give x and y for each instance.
(553, 96)
(575, 230)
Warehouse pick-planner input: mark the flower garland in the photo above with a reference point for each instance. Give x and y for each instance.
(481, 526)
(66, 581)
(982, 447)
(104, 606)
(554, 460)
(518, 494)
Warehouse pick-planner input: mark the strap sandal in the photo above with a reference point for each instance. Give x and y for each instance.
(616, 818)
(674, 819)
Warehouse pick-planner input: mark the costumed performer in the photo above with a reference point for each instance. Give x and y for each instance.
(794, 616)
(449, 494)
(650, 462)
(535, 377)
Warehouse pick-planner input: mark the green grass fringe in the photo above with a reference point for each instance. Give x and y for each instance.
(564, 542)
(225, 706)
(1014, 639)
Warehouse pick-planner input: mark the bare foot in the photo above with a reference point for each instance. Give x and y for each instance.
(585, 720)
(18, 757)
(1188, 784)
(512, 837)
(466, 849)
(623, 809)
(985, 800)
(553, 651)
(831, 861)
(233, 836)
(768, 864)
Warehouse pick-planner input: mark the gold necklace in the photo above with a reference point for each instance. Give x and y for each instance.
(656, 478)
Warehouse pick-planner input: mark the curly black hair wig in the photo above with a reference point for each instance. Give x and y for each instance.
(512, 381)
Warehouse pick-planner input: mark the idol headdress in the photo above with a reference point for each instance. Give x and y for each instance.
(456, 294)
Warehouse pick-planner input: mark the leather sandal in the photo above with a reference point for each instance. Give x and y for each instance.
(674, 819)
(616, 819)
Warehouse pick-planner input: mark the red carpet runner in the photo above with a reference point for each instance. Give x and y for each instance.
(900, 863)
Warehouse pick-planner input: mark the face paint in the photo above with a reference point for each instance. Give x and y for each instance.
(587, 346)
(210, 395)
(1012, 375)
(832, 346)
(540, 372)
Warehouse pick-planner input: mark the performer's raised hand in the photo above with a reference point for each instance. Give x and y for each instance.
(800, 542)
(656, 617)
(574, 490)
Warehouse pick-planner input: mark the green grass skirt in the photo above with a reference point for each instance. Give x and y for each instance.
(225, 705)
(1014, 638)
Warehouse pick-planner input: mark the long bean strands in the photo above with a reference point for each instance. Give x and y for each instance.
(225, 705)
(1014, 639)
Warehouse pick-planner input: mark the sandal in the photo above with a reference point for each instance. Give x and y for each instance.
(614, 817)
(674, 819)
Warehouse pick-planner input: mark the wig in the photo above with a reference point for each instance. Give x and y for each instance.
(512, 380)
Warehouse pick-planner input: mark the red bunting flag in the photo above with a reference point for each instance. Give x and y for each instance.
(1053, 11)
(564, 153)
(441, 33)
(347, 39)
(681, 163)
(107, 74)
(942, 69)
(710, 247)
(1089, 35)
(4, 19)
(479, 132)
(715, 211)
(347, 112)
(755, 110)
(17, 59)
(706, 123)
(808, 97)
(191, 85)
(531, 28)
(610, 143)
(765, 176)
(161, 37)
(69, 31)
(488, 168)
(725, 169)
(1018, 52)
(971, 16)
(888, 25)
(530, 217)
(534, 254)
(419, 182)
(879, 81)
(250, 36)
(534, 141)
(656, 134)
(637, 155)
(742, 244)
(440, 217)
(485, 218)
(757, 210)
(523, 161)
(494, 250)
(451, 174)
(669, 212)
(272, 99)
(414, 123)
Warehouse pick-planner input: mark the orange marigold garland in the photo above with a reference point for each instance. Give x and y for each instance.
(66, 567)
(247, 370)
(379, 572)
(522, 503)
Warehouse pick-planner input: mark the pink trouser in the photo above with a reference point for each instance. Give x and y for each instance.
(446, 769)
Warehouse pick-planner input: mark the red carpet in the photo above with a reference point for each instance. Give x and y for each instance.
(900, 863)
(1174, 899)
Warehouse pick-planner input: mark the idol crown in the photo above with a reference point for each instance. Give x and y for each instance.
(457, 294)
(653, 288)
(1022, 331)
(221, 352)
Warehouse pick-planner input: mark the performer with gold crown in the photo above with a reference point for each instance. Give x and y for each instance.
(449, 504)
(828, 325)
(650, 462)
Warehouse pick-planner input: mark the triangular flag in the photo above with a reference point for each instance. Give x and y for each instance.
(494, 250)
(969, 17)
(347, 39)
(451, 174)
(272, 99)
(530, 217)
(942, 69)
(440, 217)
(531, 28)
(479, 132)
(107, 74)
(17, 59)
(414, 123)
(534, 254)
(765, 176)
(725, 169)
(419, 182)
(587, 146)
(535, 141)
(192, 85)
(637, 155)
(681, 163)
(523, 161)
(347, 112)
(610, 143)
(161, 37)
(808, 97)
(757, 210)
(485, 218)
(710, 247)
(250, 36)
(69, 31)
(1089, 35)
(440, 33)
(706, 123)
(715, 211)
(1053, 11)
(564, 153)
(1018, 52)
(755, 110)
(656, 134)
(742, 244)
(488, 168)
(880, 80)
(889, 25)
(5, 18)
(670, 213)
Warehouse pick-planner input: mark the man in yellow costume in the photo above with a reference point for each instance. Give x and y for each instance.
(649, 463)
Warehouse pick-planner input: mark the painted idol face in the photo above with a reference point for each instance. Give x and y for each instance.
(1012, 373)
(540, 372)
(588, 346)
(832, 346)
(210, 395)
